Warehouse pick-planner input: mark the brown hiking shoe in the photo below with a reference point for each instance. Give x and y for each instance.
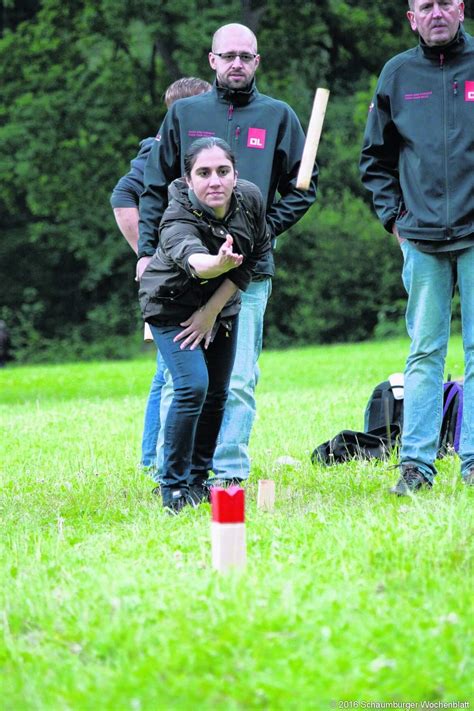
(411, 480)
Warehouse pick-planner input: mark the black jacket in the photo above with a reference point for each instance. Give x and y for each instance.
(169, 291)
(418, 154)
(266, 137)
(130, 186)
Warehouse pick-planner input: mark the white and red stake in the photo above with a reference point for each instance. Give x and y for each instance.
(228, 528)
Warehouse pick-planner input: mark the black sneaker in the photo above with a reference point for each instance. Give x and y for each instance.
(199, 491)
(174, 500)
(410, 481)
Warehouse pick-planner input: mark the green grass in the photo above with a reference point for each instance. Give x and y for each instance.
(349, 594)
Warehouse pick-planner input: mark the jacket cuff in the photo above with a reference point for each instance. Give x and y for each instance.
(240, 279)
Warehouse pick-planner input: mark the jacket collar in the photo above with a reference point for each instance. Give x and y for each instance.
(447, 50)
(237, 97)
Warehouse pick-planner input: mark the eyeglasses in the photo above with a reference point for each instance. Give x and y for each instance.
(244, 57)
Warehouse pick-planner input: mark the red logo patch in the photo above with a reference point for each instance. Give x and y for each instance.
(469, 91)
(256, 138)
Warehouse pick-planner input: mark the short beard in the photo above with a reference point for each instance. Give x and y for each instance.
(225, 83)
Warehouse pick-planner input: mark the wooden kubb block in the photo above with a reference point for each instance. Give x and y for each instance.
(266, 495)
(228, 528)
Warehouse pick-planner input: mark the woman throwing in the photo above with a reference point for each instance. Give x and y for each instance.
(211, 236)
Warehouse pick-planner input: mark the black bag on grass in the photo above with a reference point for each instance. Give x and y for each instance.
(349, 444)
(383, 421)
(382, 427)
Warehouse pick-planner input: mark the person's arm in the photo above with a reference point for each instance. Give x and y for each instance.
(379, 159)
(182, 242)
(198, 327)
(209, 266)
(127, 221)
(126, 194)
(263, 245)
(261, 251)
(162, 167)
(293, 203)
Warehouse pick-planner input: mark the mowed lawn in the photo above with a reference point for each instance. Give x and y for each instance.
(350, 595)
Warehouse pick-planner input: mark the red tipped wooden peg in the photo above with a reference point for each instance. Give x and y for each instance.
(228, 528)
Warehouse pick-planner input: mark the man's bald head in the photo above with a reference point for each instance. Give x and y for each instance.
(234, 56)
(233, 32)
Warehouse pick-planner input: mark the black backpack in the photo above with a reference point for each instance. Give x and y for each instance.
(349, 444)
(382, 428)
(383, 421)
(385, 405)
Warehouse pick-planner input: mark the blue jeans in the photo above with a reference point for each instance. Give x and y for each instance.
(151, 426)
(231, 458)
(201, 383)
(429, 281)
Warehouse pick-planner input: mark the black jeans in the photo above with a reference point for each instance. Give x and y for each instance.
(201, 384)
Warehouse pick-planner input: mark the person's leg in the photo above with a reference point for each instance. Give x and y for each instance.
(220, 358)
(428, 280)
(151, 425)
(166, 400)
(231, 458)
(466, 289)
(189, 372)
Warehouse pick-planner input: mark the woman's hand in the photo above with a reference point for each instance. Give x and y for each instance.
(209, 266)
(197, 329)
(227, 258)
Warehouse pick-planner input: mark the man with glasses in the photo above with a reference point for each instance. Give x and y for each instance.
(418, 162)
(267, 139)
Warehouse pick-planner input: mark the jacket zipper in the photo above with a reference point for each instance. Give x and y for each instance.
(445, 127)
(230, 114)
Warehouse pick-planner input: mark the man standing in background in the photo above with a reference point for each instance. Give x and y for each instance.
(267, 139)
(418, 162)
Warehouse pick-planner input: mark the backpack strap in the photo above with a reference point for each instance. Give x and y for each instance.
(453, 390)
(458, 389)
(457, 431)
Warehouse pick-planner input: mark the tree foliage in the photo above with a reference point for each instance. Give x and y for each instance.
(83, 83)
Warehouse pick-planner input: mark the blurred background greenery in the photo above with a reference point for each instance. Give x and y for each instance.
(83, 83)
